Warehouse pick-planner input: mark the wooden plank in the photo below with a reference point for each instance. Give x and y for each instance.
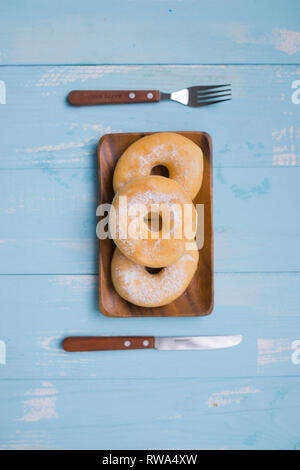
(149, 32)
(165, 414)
(48, 220)
(258, 128)
(39, 311)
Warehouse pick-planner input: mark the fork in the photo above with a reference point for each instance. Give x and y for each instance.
(195, 96)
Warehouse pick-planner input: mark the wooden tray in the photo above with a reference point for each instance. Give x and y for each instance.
(198, 299)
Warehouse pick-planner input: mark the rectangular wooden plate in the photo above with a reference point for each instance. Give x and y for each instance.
(198, 299)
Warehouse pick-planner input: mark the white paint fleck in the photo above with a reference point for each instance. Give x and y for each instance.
(283, 40)
(286, 40)
(64, 75)
(46, 389)
(228, 397)
(45, 342)
(270, 351)
(284, 149)
(295, 358)
(98, 127)
(76, 282)
(2, 92)
(67, 160)
(179, 416)
(41, 405)
(58, 147)
(2, 352)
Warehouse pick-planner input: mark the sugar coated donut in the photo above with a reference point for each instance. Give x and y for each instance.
(181, 156)
(136, 285)
(172, 216)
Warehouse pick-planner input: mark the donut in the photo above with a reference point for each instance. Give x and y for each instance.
(136, 285)
(131, 226)
(181, 156)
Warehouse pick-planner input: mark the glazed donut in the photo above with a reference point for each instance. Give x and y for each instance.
(152, 244)
(136, 285)
(181, 156)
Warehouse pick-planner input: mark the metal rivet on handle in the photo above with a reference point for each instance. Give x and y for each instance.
(127, 344)
(146, 342)
(132, 95)
(150, 96)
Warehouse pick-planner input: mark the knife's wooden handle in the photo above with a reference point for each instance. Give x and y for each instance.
(89, 97)
(107, 343)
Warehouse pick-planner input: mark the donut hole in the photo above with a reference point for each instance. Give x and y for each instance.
(160, 170)
(153, 270)
(154, 221)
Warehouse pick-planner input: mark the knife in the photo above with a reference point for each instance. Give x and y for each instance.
(111, 343)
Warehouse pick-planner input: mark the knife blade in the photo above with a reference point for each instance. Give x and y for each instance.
(179, 343)
(196, 342)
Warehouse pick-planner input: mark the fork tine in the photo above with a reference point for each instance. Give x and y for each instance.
(206, 103)
(205, 93)
(208, 87)
(202, 98)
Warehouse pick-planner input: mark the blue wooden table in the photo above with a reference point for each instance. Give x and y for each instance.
(241, 398)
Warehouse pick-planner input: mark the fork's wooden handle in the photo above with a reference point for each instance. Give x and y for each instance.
(89, 97)
(107, 343)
